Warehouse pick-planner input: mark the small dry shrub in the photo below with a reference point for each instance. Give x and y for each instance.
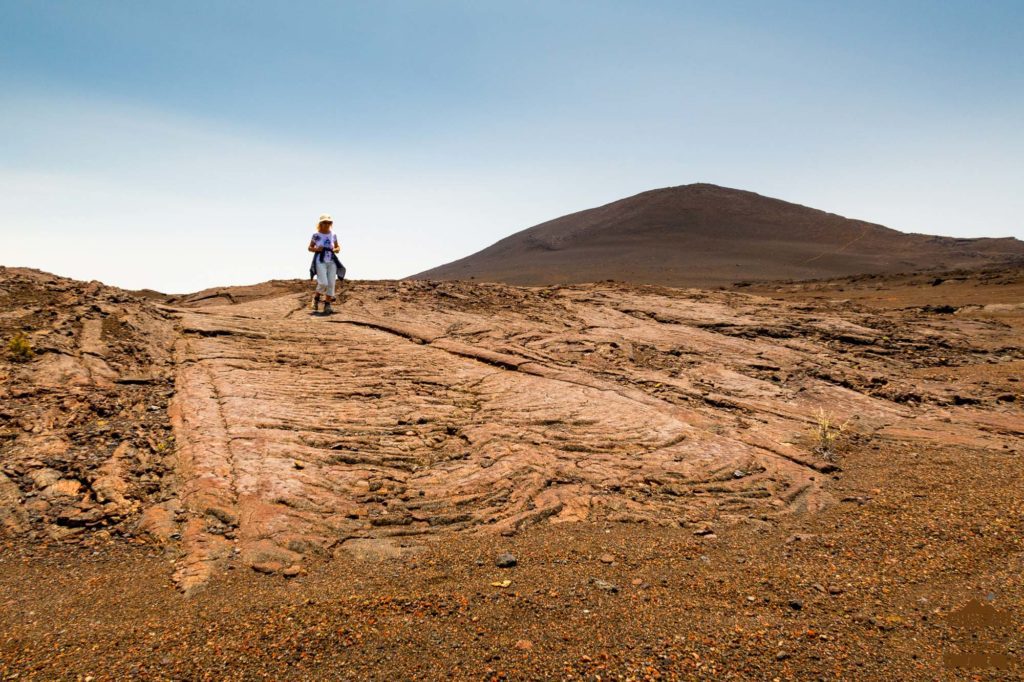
(829, 434)
(19, 348)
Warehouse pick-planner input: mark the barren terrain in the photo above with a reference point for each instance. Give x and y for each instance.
(225, 486)
(703, 235)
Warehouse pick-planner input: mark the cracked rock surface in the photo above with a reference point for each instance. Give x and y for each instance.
(244, 430)
(85, 442)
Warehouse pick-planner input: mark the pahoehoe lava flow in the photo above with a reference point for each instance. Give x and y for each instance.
(423, 409)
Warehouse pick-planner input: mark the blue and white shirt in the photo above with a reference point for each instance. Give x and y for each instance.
(326, 241)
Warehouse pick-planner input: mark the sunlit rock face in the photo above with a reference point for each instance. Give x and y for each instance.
(243, 430)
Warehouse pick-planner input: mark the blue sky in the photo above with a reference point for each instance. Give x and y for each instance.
(189, 144)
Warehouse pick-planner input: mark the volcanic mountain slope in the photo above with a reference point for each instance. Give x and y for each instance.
(423, 409)
(705, 235)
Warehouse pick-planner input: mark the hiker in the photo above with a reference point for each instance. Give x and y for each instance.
(326, 267)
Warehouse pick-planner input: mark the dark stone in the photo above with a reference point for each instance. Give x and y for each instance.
(505, 560)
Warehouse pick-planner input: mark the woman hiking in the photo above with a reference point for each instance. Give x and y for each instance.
(325, 267)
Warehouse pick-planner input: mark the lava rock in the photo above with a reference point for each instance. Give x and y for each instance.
(506, 560)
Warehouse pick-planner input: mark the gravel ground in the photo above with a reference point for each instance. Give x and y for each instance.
(861, 591)
(914, 565)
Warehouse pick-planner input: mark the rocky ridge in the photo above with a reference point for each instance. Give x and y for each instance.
(85, 442)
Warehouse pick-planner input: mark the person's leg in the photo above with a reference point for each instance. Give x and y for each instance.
(321, 277)
(332, 279)
(332, 276)
(321, 283)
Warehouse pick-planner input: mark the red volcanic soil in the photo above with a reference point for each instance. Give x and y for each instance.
(197, 488)
(704, 235)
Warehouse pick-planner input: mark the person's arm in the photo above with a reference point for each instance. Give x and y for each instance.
(313, 248)
(337, 246)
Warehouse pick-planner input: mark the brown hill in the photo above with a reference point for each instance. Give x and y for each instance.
(705, 235)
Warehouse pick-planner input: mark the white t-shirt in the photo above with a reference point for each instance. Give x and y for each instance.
(327, 241)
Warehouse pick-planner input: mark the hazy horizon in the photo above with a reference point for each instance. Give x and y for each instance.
(186, 146)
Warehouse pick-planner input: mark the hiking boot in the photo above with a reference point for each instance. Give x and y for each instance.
(316, 302)
(328, 310)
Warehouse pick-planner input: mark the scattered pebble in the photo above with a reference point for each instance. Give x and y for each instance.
(506, 560)
(604, 585)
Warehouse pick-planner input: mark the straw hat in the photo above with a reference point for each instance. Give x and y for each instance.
(325, 218)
